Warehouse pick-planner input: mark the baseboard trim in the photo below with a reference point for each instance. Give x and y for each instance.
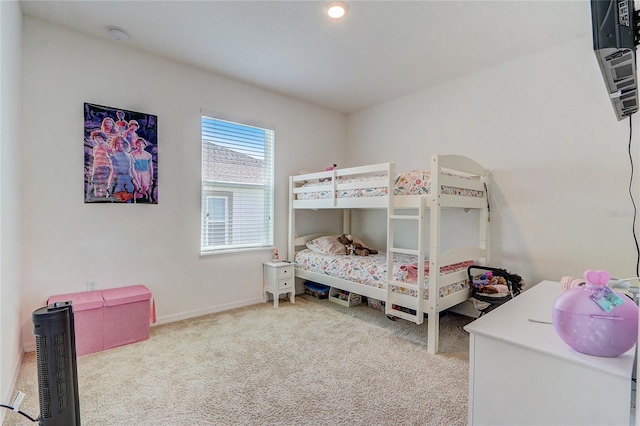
(31, 347)
(9, 396)
(211, 310)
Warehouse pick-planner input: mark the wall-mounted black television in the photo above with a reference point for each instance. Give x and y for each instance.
(614, 43)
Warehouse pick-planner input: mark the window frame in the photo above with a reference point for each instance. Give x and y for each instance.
(260, 191)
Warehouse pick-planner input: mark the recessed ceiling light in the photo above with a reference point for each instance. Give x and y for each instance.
(337, 10)
(118, 34)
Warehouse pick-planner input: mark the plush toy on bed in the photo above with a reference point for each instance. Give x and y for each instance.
(328, 169)
(352, 247)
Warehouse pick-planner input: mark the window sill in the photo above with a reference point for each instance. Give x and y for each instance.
(236, 251)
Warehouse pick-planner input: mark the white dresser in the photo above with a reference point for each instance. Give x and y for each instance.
(522, 373)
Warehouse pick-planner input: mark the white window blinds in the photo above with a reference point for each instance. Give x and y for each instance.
(237, 186)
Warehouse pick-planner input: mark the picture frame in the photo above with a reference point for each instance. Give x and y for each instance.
(120, 156)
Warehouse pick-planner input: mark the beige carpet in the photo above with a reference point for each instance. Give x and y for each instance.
(308, 363)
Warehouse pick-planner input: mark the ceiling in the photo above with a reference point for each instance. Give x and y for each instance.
(381, 50)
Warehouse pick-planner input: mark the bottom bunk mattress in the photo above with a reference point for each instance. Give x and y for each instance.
(372, 270)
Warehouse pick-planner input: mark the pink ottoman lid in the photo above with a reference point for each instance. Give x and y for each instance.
(81, 301)
(123, 295)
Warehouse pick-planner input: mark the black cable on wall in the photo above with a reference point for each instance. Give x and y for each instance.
(635, 237)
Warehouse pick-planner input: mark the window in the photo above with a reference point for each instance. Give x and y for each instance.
(237, 186)
(216, 231)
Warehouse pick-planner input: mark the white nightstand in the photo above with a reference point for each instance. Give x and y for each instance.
(279, 279)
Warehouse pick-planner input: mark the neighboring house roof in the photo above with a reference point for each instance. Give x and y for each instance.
(222, 164)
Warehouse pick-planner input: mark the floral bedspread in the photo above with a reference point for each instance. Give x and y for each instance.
(415, 182)
(372, 270)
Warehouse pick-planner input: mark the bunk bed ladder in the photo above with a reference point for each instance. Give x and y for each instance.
(415, 312)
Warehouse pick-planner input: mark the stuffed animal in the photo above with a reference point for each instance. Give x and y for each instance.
(328, 169)
(352, 247)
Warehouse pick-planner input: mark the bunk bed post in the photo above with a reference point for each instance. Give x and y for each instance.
(485, 220)
(421, 261)
(346, 221)
(291, 250)
(433, 326)
(390, 234)
(334, 190)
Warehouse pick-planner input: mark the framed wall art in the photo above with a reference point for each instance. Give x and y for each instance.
(120, 156)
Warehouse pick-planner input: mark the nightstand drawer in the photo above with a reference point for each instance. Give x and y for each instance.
(285, 284)
(286, 272)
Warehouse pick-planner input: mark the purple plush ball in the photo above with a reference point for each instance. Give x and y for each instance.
(588, 328)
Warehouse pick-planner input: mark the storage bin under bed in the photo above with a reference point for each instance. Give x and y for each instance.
(344, 298)
(316, 290)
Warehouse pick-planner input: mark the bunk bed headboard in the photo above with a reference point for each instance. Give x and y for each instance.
(458, 173)
(458, 163)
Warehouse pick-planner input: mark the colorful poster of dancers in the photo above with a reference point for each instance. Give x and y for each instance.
(120, 156)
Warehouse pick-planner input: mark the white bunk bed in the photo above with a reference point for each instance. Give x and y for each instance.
(453, 182)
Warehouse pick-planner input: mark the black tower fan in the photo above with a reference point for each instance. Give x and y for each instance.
(56, 361)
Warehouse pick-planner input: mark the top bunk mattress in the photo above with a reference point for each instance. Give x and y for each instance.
(414, 182)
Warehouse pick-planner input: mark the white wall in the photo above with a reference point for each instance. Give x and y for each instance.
(10, 262)
(67, 242)
(545, 127)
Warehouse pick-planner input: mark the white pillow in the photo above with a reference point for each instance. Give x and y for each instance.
(326, 245)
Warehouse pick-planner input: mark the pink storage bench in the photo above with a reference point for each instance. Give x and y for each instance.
(87, 317)
(108, 318)
(127, 314)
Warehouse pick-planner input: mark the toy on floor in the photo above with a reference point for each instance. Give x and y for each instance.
(487, 283)
(491, 287)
